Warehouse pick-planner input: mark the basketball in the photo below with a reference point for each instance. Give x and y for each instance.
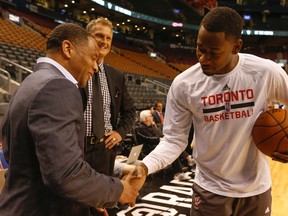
(270, 131)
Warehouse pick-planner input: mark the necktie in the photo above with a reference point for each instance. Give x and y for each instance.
(97, 110)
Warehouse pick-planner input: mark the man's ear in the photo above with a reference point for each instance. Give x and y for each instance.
(237, 46)
(67, 48)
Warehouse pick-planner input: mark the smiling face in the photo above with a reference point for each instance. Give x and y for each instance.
(103, 35)
(216, 53)
(83, 63)
(75, 49)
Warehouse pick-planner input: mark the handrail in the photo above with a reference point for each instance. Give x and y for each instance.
(161, 84)
(8, 80)
(17, 66)
(162, 88)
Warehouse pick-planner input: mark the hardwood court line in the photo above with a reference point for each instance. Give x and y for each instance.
(279, 173)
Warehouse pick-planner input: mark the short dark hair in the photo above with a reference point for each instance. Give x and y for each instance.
(157, 102)
(76, 34)
(223, 19)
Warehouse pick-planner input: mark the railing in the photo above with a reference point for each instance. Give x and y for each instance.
(19, 69)
(6, 85)
(158, 86)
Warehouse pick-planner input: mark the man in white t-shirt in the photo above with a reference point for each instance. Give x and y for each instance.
(222, 95)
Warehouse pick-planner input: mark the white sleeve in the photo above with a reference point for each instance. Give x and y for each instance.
(118, 168)
(278, 87)
(177, 123)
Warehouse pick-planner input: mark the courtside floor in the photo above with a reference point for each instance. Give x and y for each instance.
(162, 195)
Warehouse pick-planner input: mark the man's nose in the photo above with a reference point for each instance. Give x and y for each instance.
(204, 58)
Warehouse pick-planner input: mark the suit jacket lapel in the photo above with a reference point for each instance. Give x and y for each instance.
(84, 97)
(111, 87)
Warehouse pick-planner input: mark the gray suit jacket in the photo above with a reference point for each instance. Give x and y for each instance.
(43, 140)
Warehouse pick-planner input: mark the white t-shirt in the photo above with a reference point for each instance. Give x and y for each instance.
(223, 109)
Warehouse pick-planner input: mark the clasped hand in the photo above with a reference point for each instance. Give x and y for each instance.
(132, 182)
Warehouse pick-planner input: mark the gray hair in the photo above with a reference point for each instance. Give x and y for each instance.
(144, 114)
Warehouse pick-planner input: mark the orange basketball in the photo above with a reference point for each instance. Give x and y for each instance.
(270, 132)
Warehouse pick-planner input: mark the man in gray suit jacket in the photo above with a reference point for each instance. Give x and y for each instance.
(43, 136)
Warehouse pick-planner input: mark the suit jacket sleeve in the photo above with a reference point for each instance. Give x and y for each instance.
(55, 120)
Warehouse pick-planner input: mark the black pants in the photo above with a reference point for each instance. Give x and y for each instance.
(99, 157)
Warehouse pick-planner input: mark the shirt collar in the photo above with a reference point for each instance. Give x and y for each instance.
(59, 67)
(101, 64)
(101, 67)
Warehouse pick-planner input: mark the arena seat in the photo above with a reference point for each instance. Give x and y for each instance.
(13, 34)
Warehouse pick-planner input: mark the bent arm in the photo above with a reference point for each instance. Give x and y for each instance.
(57, 128)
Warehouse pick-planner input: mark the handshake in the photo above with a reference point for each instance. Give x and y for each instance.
(133, 178)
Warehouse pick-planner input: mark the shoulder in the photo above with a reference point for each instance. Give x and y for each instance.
(257, 62)
(44, 76)
(58, 96)
(110, 69)
(44, 73)
(115, 76)
(53, 71)
(57, 89)
(190, 75)
(154, 113)
(188, 78)
(259, 66)
(49, 81)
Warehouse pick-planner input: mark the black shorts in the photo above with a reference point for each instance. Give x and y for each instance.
(205, 203)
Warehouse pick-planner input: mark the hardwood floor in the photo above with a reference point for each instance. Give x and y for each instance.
(279, 173)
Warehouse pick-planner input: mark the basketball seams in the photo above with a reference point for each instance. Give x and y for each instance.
(280, 141)
(270, 112)
(284, 121)
(269, 137)
(283, 129)
(276, 146)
